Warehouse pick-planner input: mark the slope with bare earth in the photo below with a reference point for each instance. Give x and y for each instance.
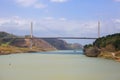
(24, 45)
(10, 45)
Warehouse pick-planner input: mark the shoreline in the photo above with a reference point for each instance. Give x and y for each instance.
(110, 55)
(6, 50)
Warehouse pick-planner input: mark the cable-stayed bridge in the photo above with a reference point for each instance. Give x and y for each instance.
(31, 36)
(70, 37)
(65, 37)
(50, 38)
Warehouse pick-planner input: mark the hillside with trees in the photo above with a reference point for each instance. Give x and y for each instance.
(110, 42)
(108, 46)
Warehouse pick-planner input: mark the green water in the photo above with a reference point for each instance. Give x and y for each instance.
(56, 66)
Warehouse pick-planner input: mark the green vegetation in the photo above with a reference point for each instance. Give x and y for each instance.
(109, 46)
(112, 41)
(6, 35)
(6, 39)
(88, 46)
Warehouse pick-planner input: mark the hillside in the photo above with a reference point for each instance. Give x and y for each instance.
(109, 47)
(110, 42)
(59, 44)
(9, 41)
(63, 45)
(5, 35)
(75, 46)
(9, 45)
(6, 40)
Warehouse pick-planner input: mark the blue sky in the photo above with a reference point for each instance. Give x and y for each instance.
(60, 17)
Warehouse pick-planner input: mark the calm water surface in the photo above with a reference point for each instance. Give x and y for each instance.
(57, 65)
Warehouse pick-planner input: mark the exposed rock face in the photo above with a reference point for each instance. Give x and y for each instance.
(92, 52)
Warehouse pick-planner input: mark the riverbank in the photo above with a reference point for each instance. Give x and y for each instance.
(106, 47)
(102, 53)
(5, 50)
(110, 55)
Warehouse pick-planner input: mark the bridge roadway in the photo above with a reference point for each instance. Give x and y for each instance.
(52, 38)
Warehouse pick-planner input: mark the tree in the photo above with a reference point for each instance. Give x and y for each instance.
(116, 44)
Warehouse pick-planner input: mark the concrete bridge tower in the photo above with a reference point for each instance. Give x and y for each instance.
(98, 29)
(31, 32)
(31, 35)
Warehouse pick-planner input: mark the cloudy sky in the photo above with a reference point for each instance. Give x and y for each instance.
(60, 17)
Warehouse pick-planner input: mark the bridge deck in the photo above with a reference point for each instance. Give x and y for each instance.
(52, 38)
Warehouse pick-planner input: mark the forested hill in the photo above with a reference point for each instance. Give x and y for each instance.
(106, 47)
(111, 42)
(5, 35)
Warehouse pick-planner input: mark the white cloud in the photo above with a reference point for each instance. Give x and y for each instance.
(48, 18)
(117, 20)
(26, 3)
(116, 24)
(14, 22)
(2, 21)
(31, 3)
(59, 1)
(40, 5)
(67, 28)
(117, 0)
(51, 26)
(62, 19)
(36, 3)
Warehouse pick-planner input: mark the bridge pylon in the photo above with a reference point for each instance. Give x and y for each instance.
(31, 35)
(98, 29)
